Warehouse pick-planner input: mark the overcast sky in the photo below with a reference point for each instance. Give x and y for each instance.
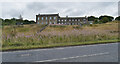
(30, 9)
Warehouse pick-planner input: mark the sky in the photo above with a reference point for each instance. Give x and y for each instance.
(29, 10)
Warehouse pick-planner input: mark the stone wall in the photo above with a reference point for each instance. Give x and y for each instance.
(56, 19)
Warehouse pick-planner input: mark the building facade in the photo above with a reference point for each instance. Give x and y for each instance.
(56, 19)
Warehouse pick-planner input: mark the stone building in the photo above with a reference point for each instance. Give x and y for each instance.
(56, 19)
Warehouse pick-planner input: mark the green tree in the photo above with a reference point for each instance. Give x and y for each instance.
(109, 18)
(92, 18)
(105, 19)
(96, 21)
(117, 18)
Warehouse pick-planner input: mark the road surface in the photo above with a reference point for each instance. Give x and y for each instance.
(85, 53)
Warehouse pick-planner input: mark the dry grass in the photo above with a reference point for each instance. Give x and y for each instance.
(27, 35)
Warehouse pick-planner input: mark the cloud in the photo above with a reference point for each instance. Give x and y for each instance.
(30, 9)
(59, 0)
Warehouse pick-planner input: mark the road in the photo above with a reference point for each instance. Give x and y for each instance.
(85, 53)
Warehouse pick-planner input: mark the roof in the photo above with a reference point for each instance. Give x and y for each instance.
(48, 15)
(59, 16)
(72, 17)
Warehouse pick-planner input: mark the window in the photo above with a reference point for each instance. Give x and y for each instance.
(38, 18)
(54, 18)
(37, 22)
(72, 23)
(75, 19)
(42, 18)
(69, 23)
(46, 18)
(72, 19)
(84, 19)
(78, 19)
(65, 19)
(42, 22)
(69, 19)
(91, 23)
(50, 18)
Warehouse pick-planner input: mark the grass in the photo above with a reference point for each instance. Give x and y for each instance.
(58, 45)
(28, 37)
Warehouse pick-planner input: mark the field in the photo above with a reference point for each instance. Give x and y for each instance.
(28, 36)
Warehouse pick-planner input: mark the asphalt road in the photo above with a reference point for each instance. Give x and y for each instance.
(86, 53)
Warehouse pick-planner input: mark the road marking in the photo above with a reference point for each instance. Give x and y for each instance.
(59, 48)
(97, 54)
(25, 54)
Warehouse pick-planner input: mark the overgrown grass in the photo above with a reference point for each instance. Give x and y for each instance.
(27, 36)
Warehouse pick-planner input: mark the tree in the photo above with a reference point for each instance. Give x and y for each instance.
(96, 21)
(110, 18)
(1, 20)
(117, 18)
(105, 19)
(14, 21)
(92, 18)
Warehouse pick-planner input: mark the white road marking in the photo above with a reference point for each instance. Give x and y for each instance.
(97, 54)
(25, 54)
(59, 48)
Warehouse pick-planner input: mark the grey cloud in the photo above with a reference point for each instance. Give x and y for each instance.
(36, 6)
(14, 13)
(64, 8)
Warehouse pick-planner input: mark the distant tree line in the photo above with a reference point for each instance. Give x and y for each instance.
(96, 20)
(14, 21)
(102, 19)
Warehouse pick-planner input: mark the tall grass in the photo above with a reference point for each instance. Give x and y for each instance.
(56, 34)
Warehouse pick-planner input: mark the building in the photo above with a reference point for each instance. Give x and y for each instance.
(56, 19)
